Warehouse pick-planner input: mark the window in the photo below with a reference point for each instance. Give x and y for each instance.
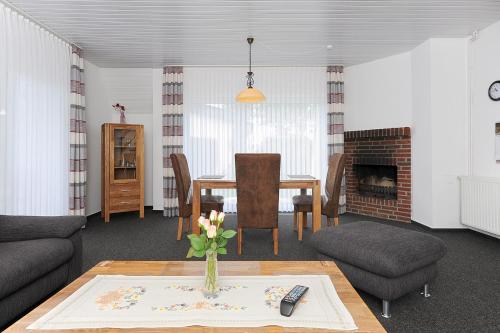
(291, 122)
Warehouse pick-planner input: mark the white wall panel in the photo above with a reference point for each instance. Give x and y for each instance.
(484, 113)
(378, 94)
(97, 114)
(131, 87)
(157, 139)
(439, 139)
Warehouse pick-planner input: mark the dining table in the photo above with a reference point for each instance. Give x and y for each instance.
(302, 182)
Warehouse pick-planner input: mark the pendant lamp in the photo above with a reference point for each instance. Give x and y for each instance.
(250, 94)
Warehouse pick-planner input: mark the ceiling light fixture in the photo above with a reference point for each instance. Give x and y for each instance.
(250, 94)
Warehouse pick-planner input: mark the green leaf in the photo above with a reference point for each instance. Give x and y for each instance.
(199, 254)
(190, 252)
(222, 242)
(203, 238)
(229, 234)
(219, 231)
(214, 246)
(222, 250)
(191, 236)
(197, 243)
(209, 252)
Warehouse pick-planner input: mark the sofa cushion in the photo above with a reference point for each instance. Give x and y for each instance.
(23, 299)
(25, 261)
(378, 248)
(19, 228)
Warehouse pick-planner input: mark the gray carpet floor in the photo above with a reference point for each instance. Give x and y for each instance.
(465, 295)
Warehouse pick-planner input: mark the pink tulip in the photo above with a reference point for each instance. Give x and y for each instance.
(213, 215)
(211, 231)
(201, 220)
(220, 218)
(206, 224)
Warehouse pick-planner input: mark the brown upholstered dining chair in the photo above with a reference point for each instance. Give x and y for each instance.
(183, 186)
(302, 204)
(257, 191)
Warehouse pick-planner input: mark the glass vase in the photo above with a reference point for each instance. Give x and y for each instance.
(211, 276)
(123, 120)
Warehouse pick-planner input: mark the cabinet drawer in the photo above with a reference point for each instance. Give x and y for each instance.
(125, 204)
(124, 190)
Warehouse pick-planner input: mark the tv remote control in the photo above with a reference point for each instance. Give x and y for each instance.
(291, 299)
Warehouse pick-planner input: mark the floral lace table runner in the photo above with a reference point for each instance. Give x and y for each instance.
(117, 301)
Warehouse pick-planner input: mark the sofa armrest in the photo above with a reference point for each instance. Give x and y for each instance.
(17, 228)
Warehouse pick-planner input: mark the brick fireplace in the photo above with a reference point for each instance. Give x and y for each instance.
(378, 173)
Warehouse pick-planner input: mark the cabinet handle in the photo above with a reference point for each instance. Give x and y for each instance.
(125, 190)
(124, 202)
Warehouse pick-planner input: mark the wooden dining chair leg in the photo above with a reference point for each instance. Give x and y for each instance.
(188, 229)
(240, 240)
(179, 228)
(336, 220)
(275, 240)
(305, 220)
(294, 220)
(328, 221)
(301, 224)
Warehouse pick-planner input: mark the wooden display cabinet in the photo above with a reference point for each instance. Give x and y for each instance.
(122, 169)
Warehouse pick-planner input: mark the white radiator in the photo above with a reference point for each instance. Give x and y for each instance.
(480, 204)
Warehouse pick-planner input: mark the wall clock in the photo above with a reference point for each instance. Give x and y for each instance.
(494, 91)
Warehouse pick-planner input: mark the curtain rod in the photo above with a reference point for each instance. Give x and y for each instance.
(32, 19)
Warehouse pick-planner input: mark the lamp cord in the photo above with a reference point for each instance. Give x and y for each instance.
(249, 73)
(250, 57)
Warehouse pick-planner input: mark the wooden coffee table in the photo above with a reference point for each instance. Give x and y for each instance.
(362, 315)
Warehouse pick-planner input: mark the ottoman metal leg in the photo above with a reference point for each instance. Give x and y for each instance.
(386, 312)
(425, 292)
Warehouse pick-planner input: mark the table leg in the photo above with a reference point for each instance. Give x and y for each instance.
(196, 207)
(316, 211)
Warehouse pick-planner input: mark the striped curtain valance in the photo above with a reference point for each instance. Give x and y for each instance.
(335, 120)
(78, 137)
(172, 100)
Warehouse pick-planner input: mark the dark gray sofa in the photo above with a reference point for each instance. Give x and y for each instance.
(38, 256)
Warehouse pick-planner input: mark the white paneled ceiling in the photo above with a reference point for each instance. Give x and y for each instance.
(151, 33)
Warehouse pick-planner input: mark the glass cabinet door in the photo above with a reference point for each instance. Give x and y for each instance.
(125, 155)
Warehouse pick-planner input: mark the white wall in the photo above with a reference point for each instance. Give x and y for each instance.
(157, 139)
(450, 136)
(95, 98)
(439, 130)
(421, 132)
(427, 90)
(449, 118)
(484, 68)
(378, 93)
(132, 87)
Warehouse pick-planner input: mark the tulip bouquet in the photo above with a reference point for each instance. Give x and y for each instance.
(120, 108)
(211, 241)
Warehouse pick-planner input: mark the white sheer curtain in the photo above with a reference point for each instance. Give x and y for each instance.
(34, 118)
(291, 122)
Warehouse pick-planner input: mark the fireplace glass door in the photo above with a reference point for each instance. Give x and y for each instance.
(377, 180)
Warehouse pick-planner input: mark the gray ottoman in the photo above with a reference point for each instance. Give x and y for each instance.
(382, 260)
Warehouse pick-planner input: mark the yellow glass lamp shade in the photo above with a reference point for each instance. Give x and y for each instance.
(250, 95)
